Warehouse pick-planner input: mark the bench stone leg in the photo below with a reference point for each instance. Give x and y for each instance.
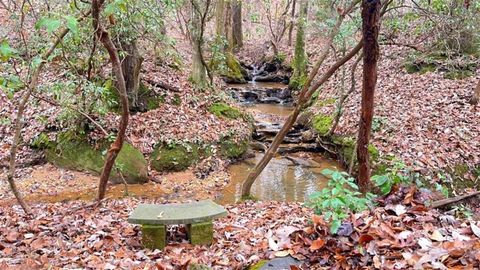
(154, 236)
(200, 233)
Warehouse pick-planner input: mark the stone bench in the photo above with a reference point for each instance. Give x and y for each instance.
(197, 216)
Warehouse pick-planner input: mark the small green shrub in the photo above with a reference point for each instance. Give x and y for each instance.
(393, 175)
(338, 199)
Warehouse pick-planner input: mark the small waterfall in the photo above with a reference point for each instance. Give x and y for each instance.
(255, 73)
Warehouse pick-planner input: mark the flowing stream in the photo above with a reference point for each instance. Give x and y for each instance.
(292, 175)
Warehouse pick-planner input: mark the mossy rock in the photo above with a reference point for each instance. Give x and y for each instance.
(258, 265)
(322, 123)
(232, 71)
(77, 154)
(229, 148)
(174, 157)
(221, 109)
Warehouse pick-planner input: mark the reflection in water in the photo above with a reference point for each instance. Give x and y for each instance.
(281, 180)
(275, 109)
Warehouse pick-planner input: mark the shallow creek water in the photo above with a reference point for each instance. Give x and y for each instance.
(290, 177)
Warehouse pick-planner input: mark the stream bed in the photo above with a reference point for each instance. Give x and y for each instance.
(292, 175)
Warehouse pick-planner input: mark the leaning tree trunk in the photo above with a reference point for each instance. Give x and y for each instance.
(303, 97)
(476, 95)
(116, 146)
(131, 66)
(237, 24)
(371, 25)
(300, 57)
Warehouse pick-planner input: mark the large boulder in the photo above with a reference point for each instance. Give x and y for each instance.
(77, 154)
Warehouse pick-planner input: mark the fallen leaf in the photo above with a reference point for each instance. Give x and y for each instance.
(317, 244)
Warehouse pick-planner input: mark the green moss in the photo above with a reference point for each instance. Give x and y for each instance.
(322, 123)
(346, 146)
(422, 68)
(221, 109)
(74, 152)
(154, 236)
(458, 74)
(42, 142)
(200, 233)
(258, 265)
(194, 266)
(234, 69)
(229, 148)
(174, 157)
(325, 102)
(177, 101)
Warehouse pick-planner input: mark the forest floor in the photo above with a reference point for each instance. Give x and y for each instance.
(400, 233)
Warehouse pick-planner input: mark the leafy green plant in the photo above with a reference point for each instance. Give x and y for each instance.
(338, 199)
(393, 175)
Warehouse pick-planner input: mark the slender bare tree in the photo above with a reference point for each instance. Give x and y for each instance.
(370, 29)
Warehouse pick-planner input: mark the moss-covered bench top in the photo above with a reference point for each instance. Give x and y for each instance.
(169, 214)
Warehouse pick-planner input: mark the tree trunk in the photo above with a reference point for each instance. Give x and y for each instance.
(476, 95)
(303, 98)
(131, 66)
(371, 25)
(237, 24)
(116, 146)
(300, 57)
(220, 18)
(290, 29)
(199, 73)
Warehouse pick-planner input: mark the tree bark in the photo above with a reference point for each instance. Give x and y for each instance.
(370, 28)
(476, 95)
(304, 96)
(17, 124)
(200, 69)
(290, 29)
(300, 57)
(220, 18)
(116, 146)
(131, 66)
(237, 24)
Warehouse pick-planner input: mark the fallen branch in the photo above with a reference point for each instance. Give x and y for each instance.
(441, 203)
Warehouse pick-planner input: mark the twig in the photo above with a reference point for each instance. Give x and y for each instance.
(72, 108)
(440, 203)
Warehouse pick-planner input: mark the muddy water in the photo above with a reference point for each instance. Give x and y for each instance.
(293, 177)
(273, 109)
(284, 179)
